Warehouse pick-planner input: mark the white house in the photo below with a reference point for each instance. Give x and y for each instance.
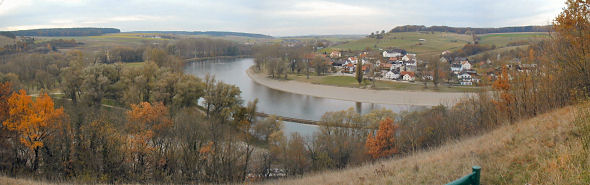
(335, 54)
(408, 76)
(465, 76)
(465, 79)
(391, 54)
(465, 65)
(352, 60)
(409, 57)
(395, 65)
(391, 75)
(456, 68)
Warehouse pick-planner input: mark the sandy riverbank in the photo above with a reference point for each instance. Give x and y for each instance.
(392, 97)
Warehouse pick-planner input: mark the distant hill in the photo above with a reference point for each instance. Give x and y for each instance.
(462, 30)
(66, 32)
(210, 33)
(8, 34)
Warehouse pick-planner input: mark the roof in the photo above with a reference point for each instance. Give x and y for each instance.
(407, 73)
(396, 50)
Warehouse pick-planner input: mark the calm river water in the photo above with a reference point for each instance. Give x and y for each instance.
(233, 71)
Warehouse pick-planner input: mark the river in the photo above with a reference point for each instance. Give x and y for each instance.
(270, 101)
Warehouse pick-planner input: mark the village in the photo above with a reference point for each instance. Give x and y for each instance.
(399, 65)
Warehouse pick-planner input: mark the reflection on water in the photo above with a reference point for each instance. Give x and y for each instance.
(233, 71)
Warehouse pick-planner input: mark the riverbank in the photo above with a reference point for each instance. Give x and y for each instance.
(215, 58)
(391, 97)
(348, 80)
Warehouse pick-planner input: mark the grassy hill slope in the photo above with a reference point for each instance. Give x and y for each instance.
(541, 150)
(435, 42)
(502, 39)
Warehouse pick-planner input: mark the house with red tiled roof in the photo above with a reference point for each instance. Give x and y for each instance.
(408, 76)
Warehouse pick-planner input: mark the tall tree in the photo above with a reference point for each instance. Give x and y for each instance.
(502, 86)
(572, 26)
(72, 77)
(383, 144)
(359, 71)
(33, 120)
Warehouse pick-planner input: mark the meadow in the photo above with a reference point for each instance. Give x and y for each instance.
(435, 42)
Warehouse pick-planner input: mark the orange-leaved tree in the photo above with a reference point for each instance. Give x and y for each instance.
(502, 86)
(149, 125)
(572, 42)
(383, 144)
(34, 121)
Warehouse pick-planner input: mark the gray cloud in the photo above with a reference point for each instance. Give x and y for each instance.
(279, 18)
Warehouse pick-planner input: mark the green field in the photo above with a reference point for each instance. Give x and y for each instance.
(502, 39)
(435, 42)
(349, 81)
(134, 64)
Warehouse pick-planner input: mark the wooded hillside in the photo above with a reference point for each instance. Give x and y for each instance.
(64, 32)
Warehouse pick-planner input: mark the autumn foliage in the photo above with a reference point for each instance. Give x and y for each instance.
(506, 99)
(33, 120)
(147, 116)
(383, 144)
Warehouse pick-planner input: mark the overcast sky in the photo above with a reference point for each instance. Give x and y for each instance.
(274, 17)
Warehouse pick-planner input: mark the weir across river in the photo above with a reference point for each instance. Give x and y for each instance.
(305, 121)
(296, 120)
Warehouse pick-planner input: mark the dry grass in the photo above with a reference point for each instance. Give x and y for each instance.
(14, 181)
(541, 150)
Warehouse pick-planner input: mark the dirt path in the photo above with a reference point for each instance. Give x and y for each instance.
(392, 97)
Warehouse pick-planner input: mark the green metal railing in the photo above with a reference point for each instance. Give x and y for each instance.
(472, 178)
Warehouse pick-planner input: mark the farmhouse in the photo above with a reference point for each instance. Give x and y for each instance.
(391, 75)
(465, 79)
(408, 76)
(465, 65)
(335, 54)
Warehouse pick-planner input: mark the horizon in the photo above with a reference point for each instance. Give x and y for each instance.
(277, 19)
(310, 35)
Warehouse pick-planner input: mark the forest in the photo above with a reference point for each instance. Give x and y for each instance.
(70, 117)
(65, 32)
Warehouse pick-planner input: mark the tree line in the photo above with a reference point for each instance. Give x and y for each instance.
(65, 32)
(468, 30)
(278, 61)
(29, 45)
(205, 47)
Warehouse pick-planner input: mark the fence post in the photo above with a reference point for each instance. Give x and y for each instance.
(476, 174)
